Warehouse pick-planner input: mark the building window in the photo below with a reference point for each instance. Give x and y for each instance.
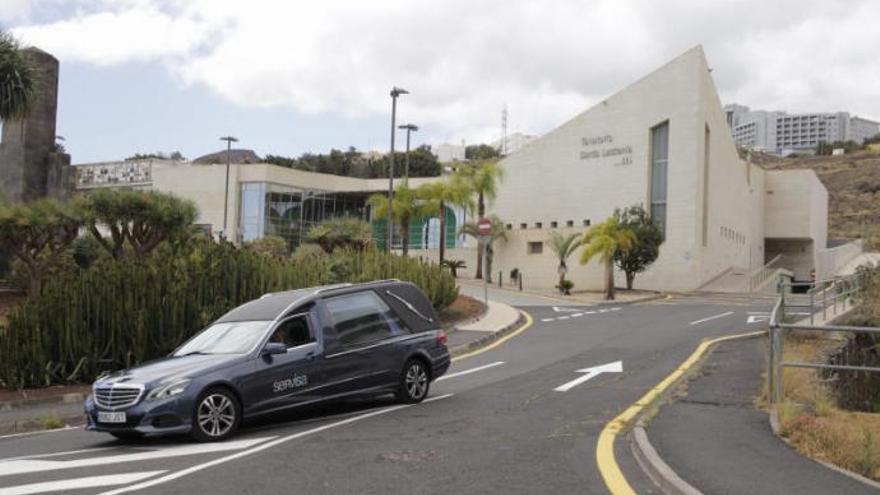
(553, 225)
(536, 247)
(509, 226)
(523, 226)
(539, 225)
(569, 223)
(659, 168)
(586, 223)
(706, 150)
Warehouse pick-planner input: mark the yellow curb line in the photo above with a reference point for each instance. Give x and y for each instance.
(500, 341)
(611, 473)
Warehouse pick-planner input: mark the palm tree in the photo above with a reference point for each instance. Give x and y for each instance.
(602, 241)
(482, 179)
(17, 80)
(406, 206)
(439, 195)
(563, 246)
(497, 233)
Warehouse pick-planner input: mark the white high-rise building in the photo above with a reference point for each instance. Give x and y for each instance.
(783, 133)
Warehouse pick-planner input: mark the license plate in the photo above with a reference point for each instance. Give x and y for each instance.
(111, 417)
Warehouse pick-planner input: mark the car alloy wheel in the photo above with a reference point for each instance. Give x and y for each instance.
(415, 382)
(216, 416)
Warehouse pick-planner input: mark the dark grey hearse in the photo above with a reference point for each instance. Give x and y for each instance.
(283, 350)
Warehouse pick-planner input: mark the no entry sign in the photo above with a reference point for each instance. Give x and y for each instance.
(484, 226)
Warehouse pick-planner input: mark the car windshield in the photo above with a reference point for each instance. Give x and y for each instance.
(234, 337)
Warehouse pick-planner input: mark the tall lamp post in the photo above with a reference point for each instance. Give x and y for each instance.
(229, 140)
(395, 92)
(410, 128)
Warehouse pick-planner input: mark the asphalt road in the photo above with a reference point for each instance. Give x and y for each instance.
(494, 424)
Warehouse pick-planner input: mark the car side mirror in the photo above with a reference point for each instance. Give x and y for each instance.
(273, 348)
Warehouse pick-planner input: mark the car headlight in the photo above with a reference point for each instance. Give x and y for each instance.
(169, 389)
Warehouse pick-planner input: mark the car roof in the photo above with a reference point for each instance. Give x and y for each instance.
(272, 305)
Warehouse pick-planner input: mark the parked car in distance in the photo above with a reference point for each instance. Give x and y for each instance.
(283, 350)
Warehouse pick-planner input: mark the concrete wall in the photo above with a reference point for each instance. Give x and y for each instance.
(796, 206)
(829, 262)
(26, 144)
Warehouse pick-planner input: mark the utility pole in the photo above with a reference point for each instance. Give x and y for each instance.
(395, 92)
(229, 140)
(410, 128)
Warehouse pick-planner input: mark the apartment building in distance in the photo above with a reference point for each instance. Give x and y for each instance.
(783, 133)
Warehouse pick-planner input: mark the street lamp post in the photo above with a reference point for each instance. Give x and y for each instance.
(395, 92)
(410, 128)
(229, 140)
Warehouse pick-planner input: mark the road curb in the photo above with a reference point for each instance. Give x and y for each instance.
(33, 425)
(613, 477)
(18, 404)
(653, 465)
(776, 426)
(488, 339)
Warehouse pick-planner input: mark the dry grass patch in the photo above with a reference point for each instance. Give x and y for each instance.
(810, 419)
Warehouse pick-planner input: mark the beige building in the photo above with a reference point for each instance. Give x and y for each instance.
(662, 142)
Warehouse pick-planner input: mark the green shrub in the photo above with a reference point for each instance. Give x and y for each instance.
(119, 313)
(270, 245)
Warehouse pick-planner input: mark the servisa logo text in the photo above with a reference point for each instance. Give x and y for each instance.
(296, 381)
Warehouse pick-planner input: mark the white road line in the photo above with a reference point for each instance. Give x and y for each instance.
(56, 454)
(29, 433)
(25, 466)
(79, 483)
(589, 312)
(577, 315)
(260, 448)
(469, 371)
(562, 318)
(545, 320)
(722, 315)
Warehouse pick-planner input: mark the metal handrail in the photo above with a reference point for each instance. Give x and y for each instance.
(759, 276)
(834, 290)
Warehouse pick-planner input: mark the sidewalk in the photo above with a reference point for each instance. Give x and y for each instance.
(716, 439)
(498, 320)
(527, 297)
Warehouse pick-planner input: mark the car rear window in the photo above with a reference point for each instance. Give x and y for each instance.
(362, 318)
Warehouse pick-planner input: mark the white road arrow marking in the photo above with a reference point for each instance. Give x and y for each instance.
(615, 367)
(757, 318)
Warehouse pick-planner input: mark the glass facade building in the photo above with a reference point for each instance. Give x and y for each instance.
(289, 212)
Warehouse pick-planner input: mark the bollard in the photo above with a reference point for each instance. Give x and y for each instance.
(500, 273)
(771, 373)
(812, 307)
(519, 279)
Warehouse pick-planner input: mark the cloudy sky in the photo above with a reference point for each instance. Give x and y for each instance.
(290, 76)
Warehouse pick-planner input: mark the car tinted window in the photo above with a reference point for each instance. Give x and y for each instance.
(294, 331)
(362, 318)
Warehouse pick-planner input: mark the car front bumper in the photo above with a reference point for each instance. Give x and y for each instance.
(147, 417)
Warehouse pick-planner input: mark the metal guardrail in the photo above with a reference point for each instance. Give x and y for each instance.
(821, 297)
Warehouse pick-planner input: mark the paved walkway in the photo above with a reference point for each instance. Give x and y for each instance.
(514, 297)
(718, 441)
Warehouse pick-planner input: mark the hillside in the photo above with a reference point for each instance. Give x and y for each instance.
(853, 183)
